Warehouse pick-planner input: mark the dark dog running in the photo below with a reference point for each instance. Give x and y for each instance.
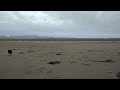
(10, 52)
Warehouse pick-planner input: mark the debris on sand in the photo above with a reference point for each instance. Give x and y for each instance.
(30, 51)
(86, 64)
(55, 62)
(21, 52)
(118, 75)
(15, 49)
(58, 54)
(109, 60)
(106, 61)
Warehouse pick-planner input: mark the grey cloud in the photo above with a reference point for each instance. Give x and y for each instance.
(61, 23)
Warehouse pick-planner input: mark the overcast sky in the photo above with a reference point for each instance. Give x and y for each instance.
(61, 23)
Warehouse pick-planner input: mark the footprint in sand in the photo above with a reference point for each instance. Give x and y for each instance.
(42, 69)
(80, 52)
(90, 50)
(32, 66)
(28, 72)
(13, 49)
(50, 71)
(118, 75)
(56, 77)
(72, 62)
(110, 72)
(118, 53)
(21, 53)
(86, 64)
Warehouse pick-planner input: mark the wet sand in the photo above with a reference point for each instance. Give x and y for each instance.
(60, 60)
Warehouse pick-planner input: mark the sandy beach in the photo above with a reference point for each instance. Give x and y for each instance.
(60, 60)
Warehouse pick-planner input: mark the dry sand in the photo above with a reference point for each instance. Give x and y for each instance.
(60, 60)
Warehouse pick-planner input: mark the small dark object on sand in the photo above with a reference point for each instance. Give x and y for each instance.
(15, 49)
(109, 60)
(106, 61)
(30, 51)
(86, 64)
(10, 52)
(118, 52)
(55, 62)
(58, 54)
(118, 75)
